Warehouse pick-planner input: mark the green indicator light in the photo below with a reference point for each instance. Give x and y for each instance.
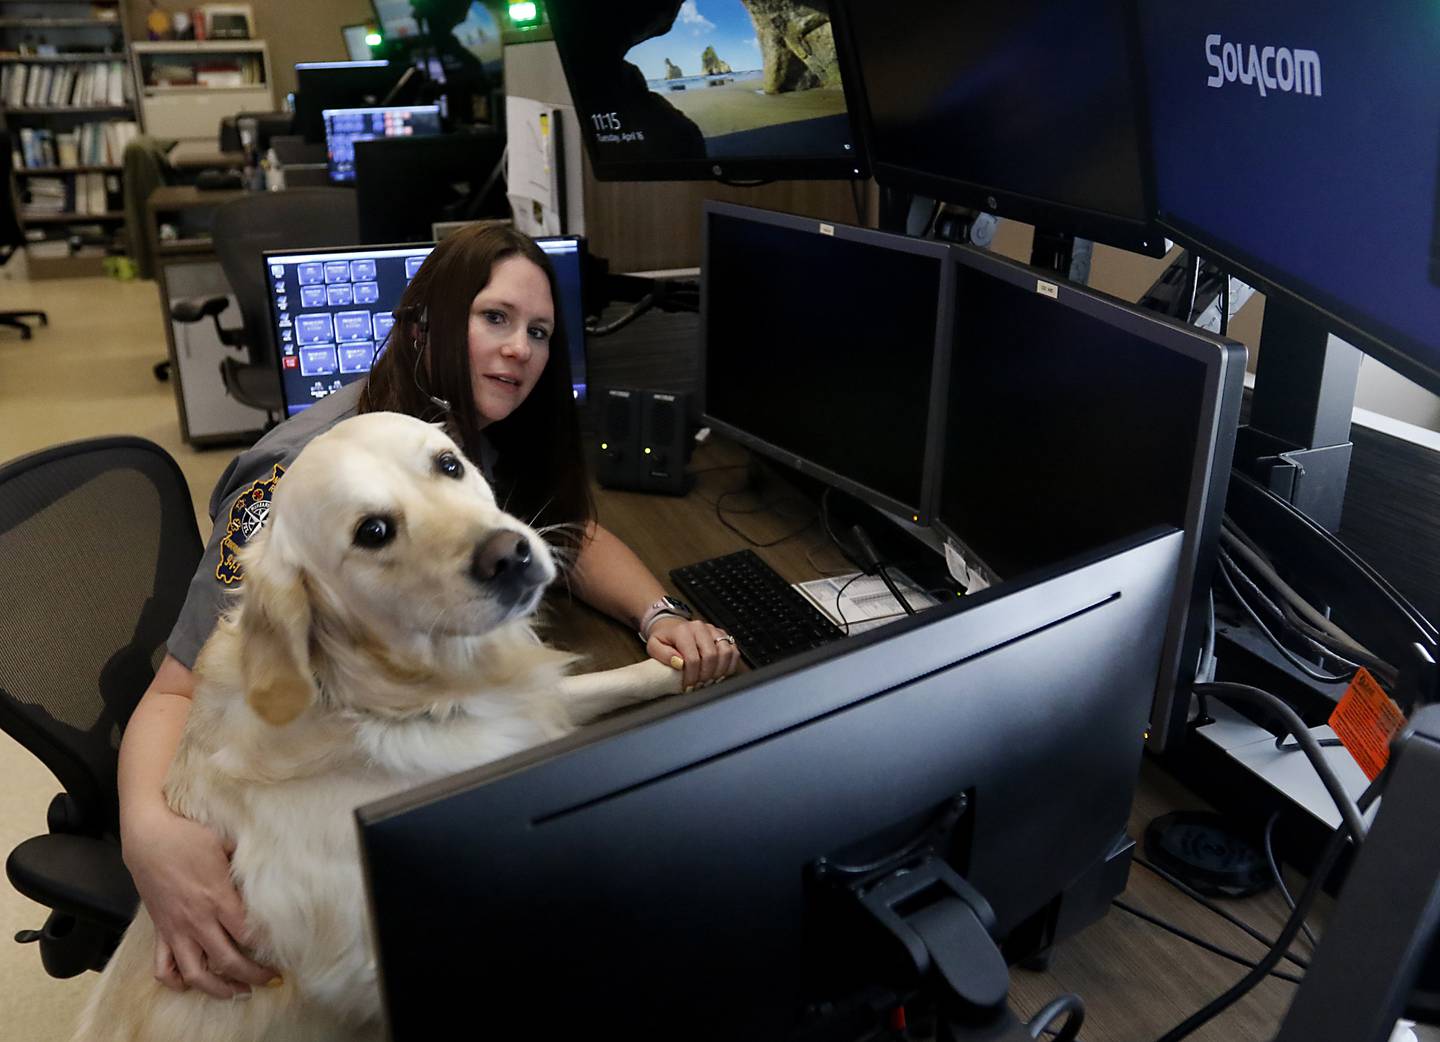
(524, 13)
(373, 39)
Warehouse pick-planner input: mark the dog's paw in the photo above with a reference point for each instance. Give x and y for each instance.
(654, 679)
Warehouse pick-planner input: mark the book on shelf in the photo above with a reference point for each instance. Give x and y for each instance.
(45, 196)
(90, 144)
(86, 194)
(65, 86)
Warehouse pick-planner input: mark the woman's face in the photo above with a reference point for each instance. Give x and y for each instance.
(511, 322)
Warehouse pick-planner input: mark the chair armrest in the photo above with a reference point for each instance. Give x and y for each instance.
(194, 309)
(79, 875)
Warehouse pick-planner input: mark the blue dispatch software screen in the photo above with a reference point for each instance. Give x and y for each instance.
(332, 313)
(334, 309)
(344, 127)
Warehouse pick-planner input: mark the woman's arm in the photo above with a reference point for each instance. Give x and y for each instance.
(609, 577)
(180, 868)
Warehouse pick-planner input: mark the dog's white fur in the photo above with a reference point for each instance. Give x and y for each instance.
(347, 674)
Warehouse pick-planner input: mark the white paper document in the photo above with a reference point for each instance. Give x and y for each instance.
(864, 602)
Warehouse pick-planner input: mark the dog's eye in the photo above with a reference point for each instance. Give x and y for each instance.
(448, 464)
(374, 532)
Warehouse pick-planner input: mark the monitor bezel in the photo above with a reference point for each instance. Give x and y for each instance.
(325, 115)
(292, 255)
(393, 162)
(1224, 361)
(851, 167)
(674, 738)
(575, 339)
(1136, 234)
(1399, 351)
(309, 123)
(921, 511)
(578, 338)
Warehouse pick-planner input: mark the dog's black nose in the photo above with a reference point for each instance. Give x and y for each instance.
(505, 556)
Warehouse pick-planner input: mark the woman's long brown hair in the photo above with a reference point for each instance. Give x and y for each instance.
(540, 474)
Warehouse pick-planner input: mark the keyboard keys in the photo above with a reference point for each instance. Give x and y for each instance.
(746, 597)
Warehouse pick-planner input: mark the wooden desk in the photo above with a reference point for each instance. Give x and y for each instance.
(1137, 980)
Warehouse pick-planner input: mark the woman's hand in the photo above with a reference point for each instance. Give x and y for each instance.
(708, 652)
(182, 872)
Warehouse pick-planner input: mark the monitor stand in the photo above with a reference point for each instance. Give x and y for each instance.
(1297, 442)
(933, 929)
(1062, 253)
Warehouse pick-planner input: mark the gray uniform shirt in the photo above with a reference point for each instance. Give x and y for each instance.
(240, 504)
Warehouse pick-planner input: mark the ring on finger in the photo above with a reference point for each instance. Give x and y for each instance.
(725, 638)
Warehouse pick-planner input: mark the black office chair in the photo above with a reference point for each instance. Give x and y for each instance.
(12, 238)
(98, 544)
(299, 219)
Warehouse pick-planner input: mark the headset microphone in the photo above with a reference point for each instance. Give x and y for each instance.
(422, 339)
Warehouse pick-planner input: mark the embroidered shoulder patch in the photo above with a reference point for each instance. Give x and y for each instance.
(247, 516)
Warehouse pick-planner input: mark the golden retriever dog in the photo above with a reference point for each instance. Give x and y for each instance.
(381, 639)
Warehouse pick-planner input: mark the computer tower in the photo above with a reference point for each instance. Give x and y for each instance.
(644, 440)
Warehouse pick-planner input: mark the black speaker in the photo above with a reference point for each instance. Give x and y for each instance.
(619, 438)
(644, 441)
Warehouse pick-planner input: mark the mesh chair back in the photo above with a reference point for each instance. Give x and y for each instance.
(300, 219)
(98, 544)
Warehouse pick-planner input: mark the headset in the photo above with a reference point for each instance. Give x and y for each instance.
(422, 340)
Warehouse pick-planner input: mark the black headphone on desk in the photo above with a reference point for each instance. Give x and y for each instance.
(422, 339)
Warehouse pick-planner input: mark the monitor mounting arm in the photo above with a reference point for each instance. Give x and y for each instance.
(943, 924)
(1297, 442)
(941, 929)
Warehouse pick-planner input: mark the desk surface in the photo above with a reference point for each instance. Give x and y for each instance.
(172, 198)
(1137, 980)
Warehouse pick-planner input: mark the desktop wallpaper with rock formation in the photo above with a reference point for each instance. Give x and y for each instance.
(707, 78)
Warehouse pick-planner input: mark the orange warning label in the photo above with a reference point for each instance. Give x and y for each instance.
(1365, 721)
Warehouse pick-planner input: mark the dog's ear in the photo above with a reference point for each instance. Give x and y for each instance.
(275, 630)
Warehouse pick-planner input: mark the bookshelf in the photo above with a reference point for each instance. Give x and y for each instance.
(67, 97)
(187, 86)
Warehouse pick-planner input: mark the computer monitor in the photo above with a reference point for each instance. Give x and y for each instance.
(1027, 109)
(660, 876)
(685, 93)
(333, 309)
(567, 257)
(1072, 419)
(332, 312)
(397, 19)
(1295, 145)
(339, 85)
(405, 185)
(344, 127)
(825, 347)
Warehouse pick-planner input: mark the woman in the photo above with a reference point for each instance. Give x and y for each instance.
(477, 345)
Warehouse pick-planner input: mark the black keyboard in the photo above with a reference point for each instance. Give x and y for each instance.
(745, 597)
